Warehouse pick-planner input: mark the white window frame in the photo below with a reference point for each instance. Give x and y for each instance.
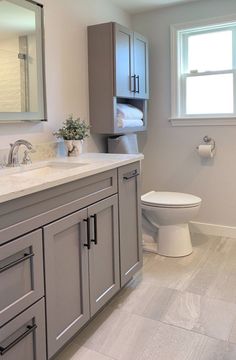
(180, 33)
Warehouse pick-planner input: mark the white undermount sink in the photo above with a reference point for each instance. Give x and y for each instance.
(43, 169)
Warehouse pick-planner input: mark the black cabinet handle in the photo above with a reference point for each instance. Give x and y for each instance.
(138, 88)
(88, 244)
(133, 77)
(131, 175)
(29, 330)
(16, 262)
(95, 240)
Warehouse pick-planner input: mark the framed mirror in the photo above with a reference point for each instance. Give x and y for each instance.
(22, 83)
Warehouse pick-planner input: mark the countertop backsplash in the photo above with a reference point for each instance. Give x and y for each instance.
(43, 151)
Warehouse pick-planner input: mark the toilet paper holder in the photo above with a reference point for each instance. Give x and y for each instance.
(209, 141)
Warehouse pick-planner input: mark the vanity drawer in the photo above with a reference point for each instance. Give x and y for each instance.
(21, 274)
(23, 338)
(32, 211)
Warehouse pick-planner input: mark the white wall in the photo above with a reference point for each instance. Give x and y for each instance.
(171, 162)
(66, 66)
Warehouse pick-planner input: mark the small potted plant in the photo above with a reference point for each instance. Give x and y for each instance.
(73, 132)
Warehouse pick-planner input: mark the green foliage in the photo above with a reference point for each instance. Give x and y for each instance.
(73, 129)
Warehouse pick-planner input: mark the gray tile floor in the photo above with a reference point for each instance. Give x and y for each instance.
(174, 309)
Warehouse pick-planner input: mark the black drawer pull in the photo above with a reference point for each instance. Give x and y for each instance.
(88, 244)
(133, 82)
(16, 262)
(95, 240)
(131, 175)
(138, 89)
(30, 329)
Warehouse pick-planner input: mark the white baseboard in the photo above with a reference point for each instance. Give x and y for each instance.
(212, 229)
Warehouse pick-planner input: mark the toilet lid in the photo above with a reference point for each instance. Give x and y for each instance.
(170, 199)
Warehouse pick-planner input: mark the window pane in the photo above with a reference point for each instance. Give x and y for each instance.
(210, 51)
(210, 94)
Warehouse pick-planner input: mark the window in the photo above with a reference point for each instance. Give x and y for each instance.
(204, 72)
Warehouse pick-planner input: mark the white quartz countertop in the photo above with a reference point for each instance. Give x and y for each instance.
(28, 179)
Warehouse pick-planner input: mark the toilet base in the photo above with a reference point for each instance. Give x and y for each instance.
(174, 240)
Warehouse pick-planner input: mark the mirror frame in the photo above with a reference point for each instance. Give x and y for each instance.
(41, 114)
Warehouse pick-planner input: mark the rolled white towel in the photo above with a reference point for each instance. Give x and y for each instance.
(127, 111)
(128, 123)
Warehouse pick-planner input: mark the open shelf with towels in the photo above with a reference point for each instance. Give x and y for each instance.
(125, 123)
(118, 74)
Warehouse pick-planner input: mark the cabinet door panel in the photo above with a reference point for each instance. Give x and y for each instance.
(21, 274)
(141, 66)
(24, 336)
(104, 256)
(123, 62)
(66, 266)
(130, 221)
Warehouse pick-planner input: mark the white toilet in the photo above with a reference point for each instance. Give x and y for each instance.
(170, 213)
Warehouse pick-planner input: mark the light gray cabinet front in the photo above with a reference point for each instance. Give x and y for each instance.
(66, 269)
(130, 221)
(131, 64)
(23, 337)
(124, 62)
(21, 274)
(104, 252)
(141, 66)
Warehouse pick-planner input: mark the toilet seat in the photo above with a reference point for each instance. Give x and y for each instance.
(170, 200)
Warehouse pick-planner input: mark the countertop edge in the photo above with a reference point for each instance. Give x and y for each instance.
(80, 175)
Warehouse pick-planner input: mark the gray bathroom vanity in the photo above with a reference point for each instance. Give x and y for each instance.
(68, 243)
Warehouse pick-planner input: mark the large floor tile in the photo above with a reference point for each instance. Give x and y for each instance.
(145, 299)
(174, 309)
(207, 316)
(125, 336)
(76, 352)
(208, 275)
(179, 273)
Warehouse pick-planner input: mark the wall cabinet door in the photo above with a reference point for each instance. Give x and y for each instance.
(130, 221)
(66, 269)
(141, 66)
(24, 337)
(104, 252)
(124, 77)
(131, 64)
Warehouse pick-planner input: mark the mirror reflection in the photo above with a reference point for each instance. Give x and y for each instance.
(21, 62)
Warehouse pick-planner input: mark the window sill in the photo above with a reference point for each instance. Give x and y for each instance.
(203, 121)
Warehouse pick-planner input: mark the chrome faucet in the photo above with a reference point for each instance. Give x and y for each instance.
(13, 159)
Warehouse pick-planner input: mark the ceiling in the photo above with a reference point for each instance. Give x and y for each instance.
(137, 6)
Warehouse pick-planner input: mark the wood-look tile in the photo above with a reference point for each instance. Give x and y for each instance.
(207, 316)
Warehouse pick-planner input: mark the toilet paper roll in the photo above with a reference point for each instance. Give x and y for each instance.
(205, 151)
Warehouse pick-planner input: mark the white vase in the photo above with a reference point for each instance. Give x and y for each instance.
(73, 147)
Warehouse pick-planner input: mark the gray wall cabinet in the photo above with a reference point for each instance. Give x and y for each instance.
(130, 221)
(81, 242)
(131, 64)
(118, 73)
